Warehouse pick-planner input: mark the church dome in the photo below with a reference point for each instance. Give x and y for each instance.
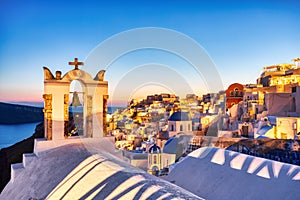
(179, 116)
(154, 149)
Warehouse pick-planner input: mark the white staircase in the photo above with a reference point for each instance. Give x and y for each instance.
(17, 168)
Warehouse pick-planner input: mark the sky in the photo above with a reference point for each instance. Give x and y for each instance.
(239, 37)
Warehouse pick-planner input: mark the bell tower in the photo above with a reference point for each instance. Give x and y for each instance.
(56, 102)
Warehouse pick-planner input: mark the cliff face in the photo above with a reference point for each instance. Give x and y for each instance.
(13, 154)
(19, 114)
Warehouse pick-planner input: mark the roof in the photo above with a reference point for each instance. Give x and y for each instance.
(272, 119)
(264, 130)
(171, 145)
(215, 173)
(93, 173)
(179, 116)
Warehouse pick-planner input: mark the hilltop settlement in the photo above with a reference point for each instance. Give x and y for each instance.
(261, 119)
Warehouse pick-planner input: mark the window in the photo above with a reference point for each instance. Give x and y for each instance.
(172, 127)
(181, 128)
(236, 92)
(189, 127)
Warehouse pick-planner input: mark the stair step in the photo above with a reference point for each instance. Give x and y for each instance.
(27, 158)
(16, 169)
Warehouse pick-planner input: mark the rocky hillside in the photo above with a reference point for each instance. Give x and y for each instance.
(19, 114)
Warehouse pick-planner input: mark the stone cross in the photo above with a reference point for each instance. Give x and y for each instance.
(76, 63)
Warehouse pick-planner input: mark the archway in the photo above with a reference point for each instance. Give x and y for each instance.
(155, 170)
(76, 110)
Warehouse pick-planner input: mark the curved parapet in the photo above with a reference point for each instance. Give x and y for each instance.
(214, 173)
(77, 75)
(47, 74)
(100, 76)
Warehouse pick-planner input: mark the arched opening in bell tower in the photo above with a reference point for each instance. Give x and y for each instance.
(76, 109)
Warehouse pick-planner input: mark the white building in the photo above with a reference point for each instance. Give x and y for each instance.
(288, 127)
(282, 128)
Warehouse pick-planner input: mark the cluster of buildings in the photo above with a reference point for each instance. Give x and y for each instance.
(164, 116)
(268, 109)
(158, 119)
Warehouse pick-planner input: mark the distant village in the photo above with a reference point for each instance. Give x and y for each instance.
(159, 130)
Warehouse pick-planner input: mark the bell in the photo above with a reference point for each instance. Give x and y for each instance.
(75, 100)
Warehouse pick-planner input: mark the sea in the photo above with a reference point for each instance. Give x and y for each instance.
(11, 134)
